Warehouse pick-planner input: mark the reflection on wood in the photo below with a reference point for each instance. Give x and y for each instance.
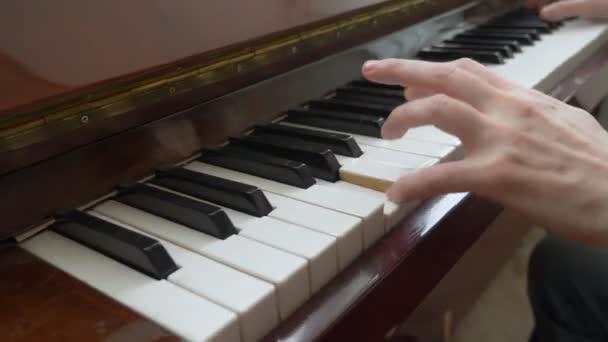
(18, 84)
(41, 303)
(80, 43)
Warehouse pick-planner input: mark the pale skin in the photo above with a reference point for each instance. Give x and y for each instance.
(557, 10)
(530, 152)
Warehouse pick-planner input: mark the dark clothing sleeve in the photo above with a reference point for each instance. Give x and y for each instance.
(568, 291)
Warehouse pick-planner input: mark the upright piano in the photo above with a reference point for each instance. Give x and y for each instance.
(214, 171)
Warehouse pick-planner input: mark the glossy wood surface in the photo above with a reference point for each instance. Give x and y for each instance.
(382, 287)
(41, 303)
(50, 48)
(24, 82)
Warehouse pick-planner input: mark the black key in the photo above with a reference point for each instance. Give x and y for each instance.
(368, 84)
(443, 55)
(338, 121)
(529, 34)
(352, 106)
(362, 94)
(322, 161)
(282, 170)
(521, 39)
(529, 19)
(526, 20)
(203, 217)
(395, 94)
(135, 250)
(339, 143)
(511, 44)
(505, 52)
(238, 196)
(349, 96)
(539, 28)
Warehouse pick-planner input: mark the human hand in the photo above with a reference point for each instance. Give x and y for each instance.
(526, 150)
(557, 10)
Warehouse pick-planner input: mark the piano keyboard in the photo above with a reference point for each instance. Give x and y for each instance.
(226, 246)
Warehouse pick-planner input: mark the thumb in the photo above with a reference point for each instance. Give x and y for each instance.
(457, 176)
(568, 8)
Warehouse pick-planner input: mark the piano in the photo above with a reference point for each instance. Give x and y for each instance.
(214, 171)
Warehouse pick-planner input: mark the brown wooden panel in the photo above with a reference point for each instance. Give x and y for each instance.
(24, 83)
(41, 303)
(382, 287)
(75, 44)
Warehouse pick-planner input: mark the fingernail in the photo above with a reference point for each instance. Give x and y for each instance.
(393, 195)
(369, 65)
(548, 13)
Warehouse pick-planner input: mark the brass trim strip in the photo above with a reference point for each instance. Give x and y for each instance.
(22, 129)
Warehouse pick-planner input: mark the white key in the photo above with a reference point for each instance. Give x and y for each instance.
(393, 212)
(287, 272)
(432, 134)
(253, 300)
(378, 168)
(319, 249)
(434, 150)
(365, 207)
(372, 174)
(541, 66)
(181, 312)
(391, 157)
(345, 228)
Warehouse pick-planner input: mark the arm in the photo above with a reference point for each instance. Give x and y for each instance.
(523, 149)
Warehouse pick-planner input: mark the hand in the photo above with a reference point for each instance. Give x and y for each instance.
(557, 10)
(528, 151)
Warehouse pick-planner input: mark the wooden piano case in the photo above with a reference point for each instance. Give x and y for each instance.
(95, 93)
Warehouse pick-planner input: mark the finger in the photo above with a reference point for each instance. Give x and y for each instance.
(475, 68)
(568, 8)
(457, 176)
(478, 69)
(412, 94)
(444, 78)
(535, 4)
(485, 74)
(448, 114)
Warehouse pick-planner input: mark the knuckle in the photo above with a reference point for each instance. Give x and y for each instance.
(439, 101)
(466, 63)
(506, 156)
(499, 171)
(445, 72)
(516, 139)
(526, 110)
(437, 104)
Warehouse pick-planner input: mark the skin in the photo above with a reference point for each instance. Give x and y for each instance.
(557, 10)
(530, 152)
